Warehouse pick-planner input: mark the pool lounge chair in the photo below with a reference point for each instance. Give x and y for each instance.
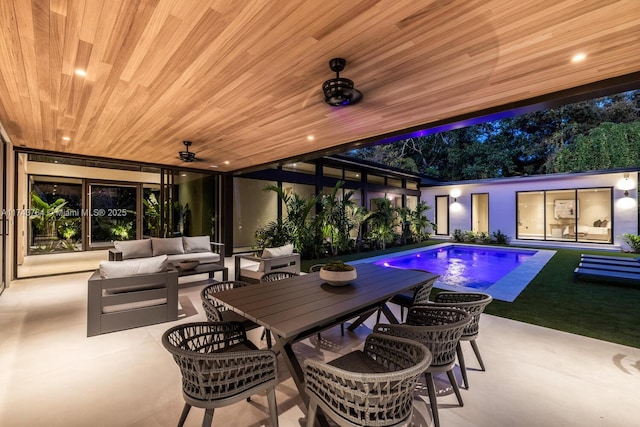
(617, 274)
(611, 260)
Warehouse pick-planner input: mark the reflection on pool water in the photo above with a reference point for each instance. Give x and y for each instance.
(462, 266)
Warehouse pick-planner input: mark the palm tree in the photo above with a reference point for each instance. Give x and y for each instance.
(335, 220)
(419, 222)
(383, 221)
(297, 221)
(358, 215)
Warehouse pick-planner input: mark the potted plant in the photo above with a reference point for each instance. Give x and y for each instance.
(337, 273)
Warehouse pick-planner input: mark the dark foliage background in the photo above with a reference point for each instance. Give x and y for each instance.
(597, 134)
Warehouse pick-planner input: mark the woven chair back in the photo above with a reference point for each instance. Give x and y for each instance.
(315, 268)
(438, 328)
(274, 276)
(208, 372)
(366, 398)
(213, 309)
(472, 302)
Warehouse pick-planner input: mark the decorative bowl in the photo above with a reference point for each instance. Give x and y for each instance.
(188, 264)
(338, 278)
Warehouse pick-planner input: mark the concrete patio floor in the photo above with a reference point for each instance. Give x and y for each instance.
(52, 374)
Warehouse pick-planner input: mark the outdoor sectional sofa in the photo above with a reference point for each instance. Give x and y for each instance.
(138, 286)
(131, 293)
(176, 248)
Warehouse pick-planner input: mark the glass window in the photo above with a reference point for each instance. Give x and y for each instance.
(352, 175)
(252, 208)
(194, 212)
(332, 172)
(375, 179)
(300, 167)
(151, 211)
(55, 215)
(412, 202)
(442, 215)
(412, 185)
(113, 214)
(480, 213)
(306, 192)
(582, 215)
(560, 212)
(530, 215)
(594, 215)
(393, 182)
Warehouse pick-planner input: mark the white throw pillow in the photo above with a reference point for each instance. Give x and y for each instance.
(134, 248)
(276, 252)
(168, 246)
(133, 267)
(196, 244)
(270, 252)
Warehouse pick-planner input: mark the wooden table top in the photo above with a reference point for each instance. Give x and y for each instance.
(293, 306)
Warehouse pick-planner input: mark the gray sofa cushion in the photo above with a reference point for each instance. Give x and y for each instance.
(203, 257)
(134, 248)
(196, 244)
(168, 246)
(133, 267)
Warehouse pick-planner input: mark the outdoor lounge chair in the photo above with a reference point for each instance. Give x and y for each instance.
(614, 274)
(611, 260)
(629, 268)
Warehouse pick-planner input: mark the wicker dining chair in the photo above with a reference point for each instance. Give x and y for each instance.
(372, 387)
(315, 268)
(419, 295)
(220, 366)
(217, 312)
(474, 303)
(439, 329)
(274, 276)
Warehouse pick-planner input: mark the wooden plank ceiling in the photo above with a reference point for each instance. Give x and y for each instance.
(242, 79)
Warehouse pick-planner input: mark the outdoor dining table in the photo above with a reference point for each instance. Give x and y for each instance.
(298, 307)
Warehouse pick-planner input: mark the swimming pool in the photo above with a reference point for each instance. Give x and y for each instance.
(500, 271)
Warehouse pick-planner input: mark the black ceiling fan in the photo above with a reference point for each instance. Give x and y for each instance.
(340, 91)
(186, 155)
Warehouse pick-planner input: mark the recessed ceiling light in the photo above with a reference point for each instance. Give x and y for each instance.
(81, 72)
(310, 137)
(183, 174)
(66, 138)
(213, 166)
(226, 162)
(578, 57)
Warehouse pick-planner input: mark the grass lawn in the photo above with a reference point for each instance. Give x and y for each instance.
(601, 310)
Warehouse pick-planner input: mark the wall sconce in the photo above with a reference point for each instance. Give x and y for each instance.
(455, 194)
(626, 184)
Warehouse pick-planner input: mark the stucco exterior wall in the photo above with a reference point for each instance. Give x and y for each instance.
(502, 199)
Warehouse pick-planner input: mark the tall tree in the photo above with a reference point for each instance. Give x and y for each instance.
(529, 144)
